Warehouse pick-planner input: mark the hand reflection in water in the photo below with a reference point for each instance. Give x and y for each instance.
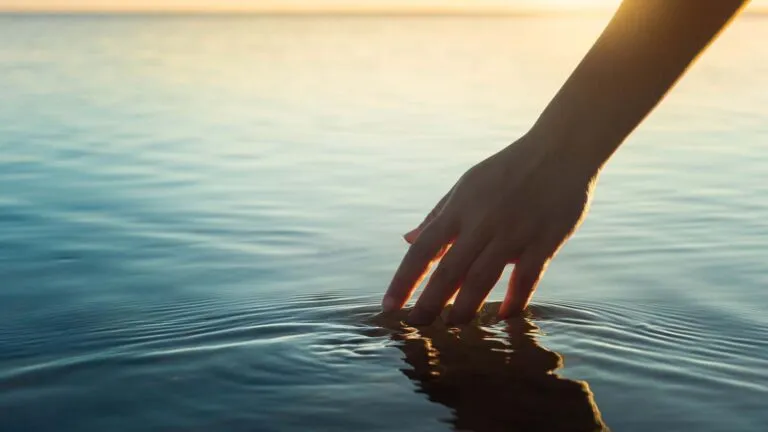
(493, 375)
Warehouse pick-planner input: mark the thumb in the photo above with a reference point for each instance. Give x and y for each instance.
(413, 234)
(526, 275)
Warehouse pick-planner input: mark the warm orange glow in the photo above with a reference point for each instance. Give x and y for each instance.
(304, 6)
(300, 5)
(324, 6)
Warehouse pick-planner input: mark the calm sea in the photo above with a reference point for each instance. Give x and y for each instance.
(198, 216)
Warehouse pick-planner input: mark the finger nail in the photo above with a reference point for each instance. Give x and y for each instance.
(389, 304)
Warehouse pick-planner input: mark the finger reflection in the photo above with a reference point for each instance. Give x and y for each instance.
(493, 375)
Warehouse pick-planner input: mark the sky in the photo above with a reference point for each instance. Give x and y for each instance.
(288, 5)
(313, 5)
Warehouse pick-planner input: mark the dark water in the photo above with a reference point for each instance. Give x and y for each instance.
(198, 217)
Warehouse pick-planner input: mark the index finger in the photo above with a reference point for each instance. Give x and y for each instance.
(415, 266)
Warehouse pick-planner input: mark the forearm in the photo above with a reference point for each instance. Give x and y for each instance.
(645, 48)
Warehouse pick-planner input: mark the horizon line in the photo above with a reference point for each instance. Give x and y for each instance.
(352, 13)
(362, 12)
(321, 11)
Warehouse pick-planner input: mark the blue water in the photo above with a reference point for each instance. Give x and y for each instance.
(198, 216)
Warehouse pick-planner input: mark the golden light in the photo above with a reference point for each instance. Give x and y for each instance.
(308, 6)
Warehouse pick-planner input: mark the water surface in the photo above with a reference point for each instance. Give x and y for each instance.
(198, 216)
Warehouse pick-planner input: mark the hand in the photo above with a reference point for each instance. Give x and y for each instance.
(517, 207)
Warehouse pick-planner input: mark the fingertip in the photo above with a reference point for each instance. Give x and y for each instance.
(420, 317)
(463, 312)
(411, 236)
(522, 284)
(503, 312)
(459, 318)
(512, 304)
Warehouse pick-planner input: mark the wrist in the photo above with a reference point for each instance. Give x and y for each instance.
(577, 146)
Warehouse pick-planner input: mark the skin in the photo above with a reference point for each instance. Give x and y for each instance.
(522, 204)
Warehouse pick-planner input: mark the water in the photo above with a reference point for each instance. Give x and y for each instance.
(198, 216)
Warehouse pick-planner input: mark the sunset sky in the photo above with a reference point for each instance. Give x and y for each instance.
(314, 5)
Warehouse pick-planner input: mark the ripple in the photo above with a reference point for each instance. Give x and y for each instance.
(244, 346)
(188, 243)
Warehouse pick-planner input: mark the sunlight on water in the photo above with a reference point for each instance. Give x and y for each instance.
(198, 216)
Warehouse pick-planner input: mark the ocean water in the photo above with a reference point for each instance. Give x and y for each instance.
(199, 215)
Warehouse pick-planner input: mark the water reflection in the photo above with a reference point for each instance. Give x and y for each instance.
(494, 375)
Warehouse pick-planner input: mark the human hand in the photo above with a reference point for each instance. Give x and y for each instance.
(517, 207)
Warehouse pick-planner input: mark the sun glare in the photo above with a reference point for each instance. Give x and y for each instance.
(303, 5)
(323, 6)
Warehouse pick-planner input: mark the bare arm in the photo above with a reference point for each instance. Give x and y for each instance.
(520, 205)
(643, 51)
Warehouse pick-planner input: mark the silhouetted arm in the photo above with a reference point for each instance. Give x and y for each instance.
(643, 51)
(522, 204)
